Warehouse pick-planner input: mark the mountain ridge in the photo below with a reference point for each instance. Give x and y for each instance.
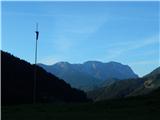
(89, 73)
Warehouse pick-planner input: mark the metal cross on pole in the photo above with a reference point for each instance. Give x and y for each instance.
(35, 67)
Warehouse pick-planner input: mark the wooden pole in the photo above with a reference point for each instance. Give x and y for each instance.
(35, 67)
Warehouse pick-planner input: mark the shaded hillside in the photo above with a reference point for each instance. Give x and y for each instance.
(126, 88)
(17, 84)
(91, 74)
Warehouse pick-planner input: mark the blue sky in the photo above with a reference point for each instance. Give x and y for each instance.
(126, 32)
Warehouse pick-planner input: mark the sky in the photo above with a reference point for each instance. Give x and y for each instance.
(125, 32)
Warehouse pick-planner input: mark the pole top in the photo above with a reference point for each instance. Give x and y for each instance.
(37, 32)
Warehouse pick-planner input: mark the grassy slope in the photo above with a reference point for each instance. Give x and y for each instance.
(137, 108)
(130, 87)
(116, 90)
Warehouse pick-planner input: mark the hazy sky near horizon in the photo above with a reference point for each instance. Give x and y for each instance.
(125, 32)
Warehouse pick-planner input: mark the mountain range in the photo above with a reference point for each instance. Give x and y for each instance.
(90, 74)
(18, 78)
(17, 81)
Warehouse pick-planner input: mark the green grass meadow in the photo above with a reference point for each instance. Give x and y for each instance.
(142, 108)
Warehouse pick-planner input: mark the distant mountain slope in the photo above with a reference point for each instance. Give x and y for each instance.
(72, 76)
(17, 84)
(153, 73)
(129, 87)
(91, 74)
(108, 70)
(151, 82)
(117, 89)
